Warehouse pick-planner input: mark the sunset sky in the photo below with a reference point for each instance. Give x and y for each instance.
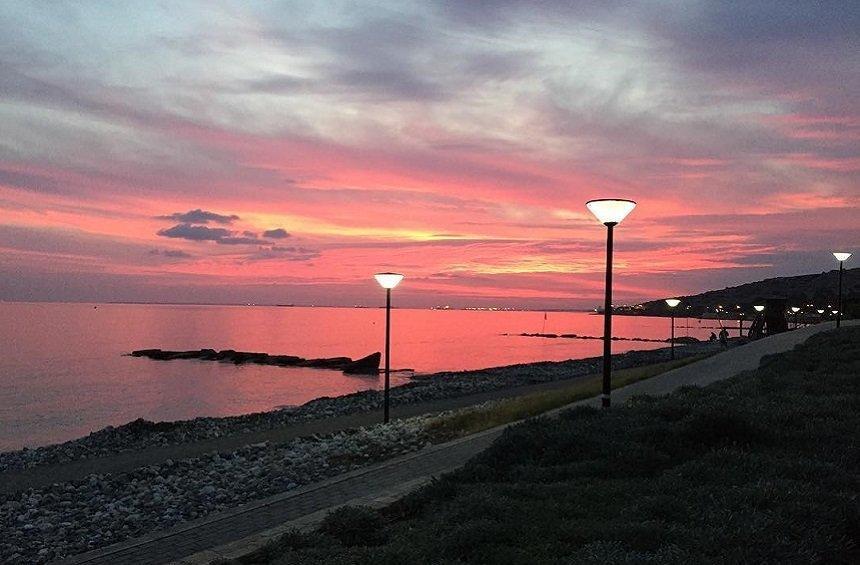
(281, 152)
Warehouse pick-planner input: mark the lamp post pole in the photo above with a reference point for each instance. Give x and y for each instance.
(607, 322)
(387, 351)
(839, 306)
(672, 339)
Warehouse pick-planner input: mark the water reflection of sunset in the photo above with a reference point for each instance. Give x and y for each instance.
(66, 374)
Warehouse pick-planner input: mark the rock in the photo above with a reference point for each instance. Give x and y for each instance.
(241, 357)
(365, 366)
(326, 363)
(686, 339)
(284, 360)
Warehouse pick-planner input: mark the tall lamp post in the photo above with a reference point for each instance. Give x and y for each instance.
(795, 310)
(609, 212)
(841, 256)
(387, 281)
(671, 303)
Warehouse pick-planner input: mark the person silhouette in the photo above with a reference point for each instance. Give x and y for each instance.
(724, 337)
(713, 337)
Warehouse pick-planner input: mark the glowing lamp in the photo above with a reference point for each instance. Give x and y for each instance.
(841, 255)
(388, 280)
(610, 211)
(795, 309)
(759, 308)
(672, 302)
(820, 310)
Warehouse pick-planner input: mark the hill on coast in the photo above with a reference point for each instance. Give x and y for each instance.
(819, 289)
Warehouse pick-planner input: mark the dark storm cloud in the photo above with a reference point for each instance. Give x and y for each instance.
(807, 48)
(277, 233)
(221, 236)
(192, 230)
(199, 216)
(242, 240)
(390, 58)
(488, 15)
(195, 233)
(29, 181)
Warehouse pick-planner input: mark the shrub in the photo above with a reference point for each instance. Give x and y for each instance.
(354, 525)
(716, 426)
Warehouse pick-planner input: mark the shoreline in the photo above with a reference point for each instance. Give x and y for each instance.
(80, 512)
(140, 434)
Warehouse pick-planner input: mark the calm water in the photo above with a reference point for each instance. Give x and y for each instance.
(63, 373)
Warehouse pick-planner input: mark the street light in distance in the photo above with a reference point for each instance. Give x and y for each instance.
(387, 281)
(841, 256)
(671, 303)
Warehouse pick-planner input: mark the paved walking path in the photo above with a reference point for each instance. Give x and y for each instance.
(237, 531)
(722, 365)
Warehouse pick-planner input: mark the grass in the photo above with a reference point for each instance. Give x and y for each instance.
(465, 422)
(760, 468)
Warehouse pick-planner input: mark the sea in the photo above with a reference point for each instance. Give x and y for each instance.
(65, 372)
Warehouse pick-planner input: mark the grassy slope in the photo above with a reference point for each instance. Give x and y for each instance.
(763, 468)
(465, 422)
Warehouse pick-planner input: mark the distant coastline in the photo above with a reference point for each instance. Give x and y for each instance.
(260, 305)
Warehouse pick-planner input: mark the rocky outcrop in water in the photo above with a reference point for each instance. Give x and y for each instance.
(575, 336)
(366, 365)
